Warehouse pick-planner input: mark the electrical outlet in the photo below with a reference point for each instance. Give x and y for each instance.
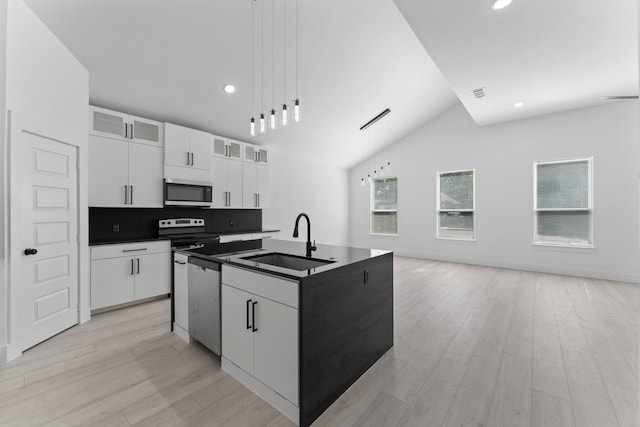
(232, 223)
(115, 228)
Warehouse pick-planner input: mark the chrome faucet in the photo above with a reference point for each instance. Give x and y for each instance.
(310, 247)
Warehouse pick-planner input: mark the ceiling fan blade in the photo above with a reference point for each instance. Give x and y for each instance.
(620, 97)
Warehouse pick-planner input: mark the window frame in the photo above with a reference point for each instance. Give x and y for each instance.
(589, 209)
(439, 210)
(372, 210)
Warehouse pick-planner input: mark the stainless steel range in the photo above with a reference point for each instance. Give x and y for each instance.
(186, 233)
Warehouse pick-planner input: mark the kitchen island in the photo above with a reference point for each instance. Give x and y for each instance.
(300, 337)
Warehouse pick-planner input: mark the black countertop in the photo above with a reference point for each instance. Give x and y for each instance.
(341, 255)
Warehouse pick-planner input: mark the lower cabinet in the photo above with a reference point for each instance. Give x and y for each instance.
(122, 273)
(260, 330)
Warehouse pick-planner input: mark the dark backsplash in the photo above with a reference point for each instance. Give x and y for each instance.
(142, 223)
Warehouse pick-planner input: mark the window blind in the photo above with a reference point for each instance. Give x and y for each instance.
(456, 205)
(562, 203)
(384, 214)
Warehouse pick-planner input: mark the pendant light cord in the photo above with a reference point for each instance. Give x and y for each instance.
(284, 52)
(252, 59)
(297, 52)
(262, 57)
(273, 45)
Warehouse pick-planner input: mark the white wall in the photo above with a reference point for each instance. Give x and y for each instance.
(301, 186)
(3, 86)
(503, 157)
(44, 79)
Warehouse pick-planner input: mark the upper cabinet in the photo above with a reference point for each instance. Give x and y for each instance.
(255, 177)
(256, 154)
(225, 147)
(187, 153)
(122, 126)
(124, 174)
(226, 172)
(125, 160)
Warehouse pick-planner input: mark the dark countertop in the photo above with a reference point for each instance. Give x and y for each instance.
(147, 239)
(342, 255)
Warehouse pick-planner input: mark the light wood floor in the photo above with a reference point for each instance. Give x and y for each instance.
(474, 346)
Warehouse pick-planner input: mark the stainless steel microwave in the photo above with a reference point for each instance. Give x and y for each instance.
(187, 193)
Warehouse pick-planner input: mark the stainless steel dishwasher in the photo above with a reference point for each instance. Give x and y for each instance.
(204, 302)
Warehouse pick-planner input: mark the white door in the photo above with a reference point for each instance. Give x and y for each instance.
(44, 230)
(234, 183)
(200, 148)
(145, 175)
(176, 145)
(108, 172)
(276, 347)
(219, 179)
(249, 185)
(237, 335)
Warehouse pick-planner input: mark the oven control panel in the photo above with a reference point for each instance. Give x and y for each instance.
(180, 222)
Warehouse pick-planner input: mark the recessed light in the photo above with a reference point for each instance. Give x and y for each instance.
(518, 104)
(500, 4)
(229, 88)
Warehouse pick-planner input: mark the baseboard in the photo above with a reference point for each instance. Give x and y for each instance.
(538, 268)
(182, 333)
(9, 353)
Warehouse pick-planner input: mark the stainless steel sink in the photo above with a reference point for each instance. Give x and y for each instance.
(292, 262)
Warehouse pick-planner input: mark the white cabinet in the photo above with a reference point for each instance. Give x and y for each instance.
(187, 153)
(226, 148)
(122, 273)
(255, 185)
(181, 296)
(124, 173)
(256, 154)
(116, 125)
(260, 329)
(226, 172)
(255, 177)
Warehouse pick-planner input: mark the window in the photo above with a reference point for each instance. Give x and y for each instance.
(456, 205)
(384, 206)
(562, 203)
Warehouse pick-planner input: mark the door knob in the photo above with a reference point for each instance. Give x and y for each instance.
(30, 251)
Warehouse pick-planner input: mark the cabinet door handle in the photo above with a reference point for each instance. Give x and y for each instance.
(131, 130)
(131, 195)
(132, 266)
(226, 151)
(248, 303)
(253, 316)
(180, 262)
(138, 267)
(126, 131)
(229, 196)
(135, 250)
(366, 277)
(188, 157)
(126, 194)
(258, 200)
(191, 159)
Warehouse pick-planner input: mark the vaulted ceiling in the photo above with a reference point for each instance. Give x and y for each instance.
(168, 60)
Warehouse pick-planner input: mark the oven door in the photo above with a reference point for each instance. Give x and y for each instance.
(187, 193)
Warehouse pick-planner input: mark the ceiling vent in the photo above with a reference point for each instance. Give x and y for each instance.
(479, 93)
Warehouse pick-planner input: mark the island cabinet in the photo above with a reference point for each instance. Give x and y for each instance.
(300, 339)
(260, 335)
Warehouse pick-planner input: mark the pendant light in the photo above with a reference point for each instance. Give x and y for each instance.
(252, 122)
(385, 167)
(263, 127)
(296, 104)
(284, 115)
(272, 121)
